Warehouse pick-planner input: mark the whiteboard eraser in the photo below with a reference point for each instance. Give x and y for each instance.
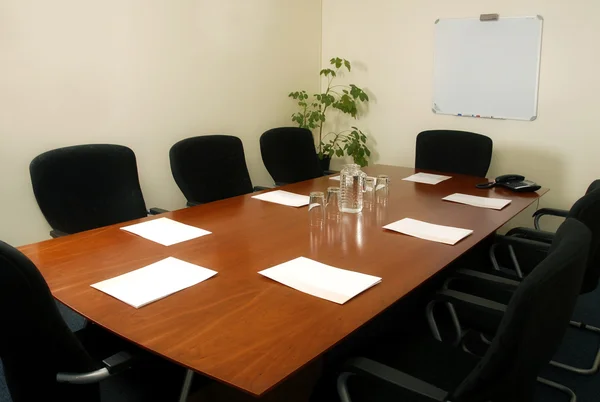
(489, 17)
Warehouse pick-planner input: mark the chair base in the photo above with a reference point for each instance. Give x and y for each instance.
(559, 387)
(583, 371)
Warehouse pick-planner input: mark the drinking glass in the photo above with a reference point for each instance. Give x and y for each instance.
(316, 208)
(332, 207)
(383, 181)
(369, 193)
(382, 188)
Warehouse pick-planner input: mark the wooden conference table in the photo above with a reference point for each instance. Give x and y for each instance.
(239, 327)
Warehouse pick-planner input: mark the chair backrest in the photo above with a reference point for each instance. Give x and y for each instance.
(210, 168)
(289, 154)
(87, 186)
(593, 186)
(587, 211)
(35, 342)
(534, 323)
(453, 151)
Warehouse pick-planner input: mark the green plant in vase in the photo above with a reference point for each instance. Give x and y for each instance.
(314, 109)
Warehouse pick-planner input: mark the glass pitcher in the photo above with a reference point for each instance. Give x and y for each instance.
(352, 186)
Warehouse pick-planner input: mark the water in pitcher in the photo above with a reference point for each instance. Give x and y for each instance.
(352, 185)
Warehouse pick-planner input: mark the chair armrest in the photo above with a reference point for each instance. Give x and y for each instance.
(520, 250)
(465, 299)
(112, 365)
(527, 244)
(57, 233)
(367, 367)
(280, 183)
(453, 299)
(506, 283)
(260, 188)
(547, 211)
(192, 203)
(157, 211)
(531, 234)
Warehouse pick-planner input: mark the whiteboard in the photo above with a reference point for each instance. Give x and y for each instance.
(487, 68)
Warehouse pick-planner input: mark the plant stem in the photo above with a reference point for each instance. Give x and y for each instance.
(323, 113)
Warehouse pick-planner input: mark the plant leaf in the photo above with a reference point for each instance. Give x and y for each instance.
(347, 64)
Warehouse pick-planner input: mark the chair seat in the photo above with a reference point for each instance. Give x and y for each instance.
(437, 363)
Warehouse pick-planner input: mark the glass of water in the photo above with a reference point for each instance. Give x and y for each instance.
(332, 207)
(316, 208)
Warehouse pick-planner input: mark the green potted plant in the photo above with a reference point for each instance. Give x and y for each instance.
(313, 110)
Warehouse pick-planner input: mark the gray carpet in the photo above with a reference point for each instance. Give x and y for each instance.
(578, 348)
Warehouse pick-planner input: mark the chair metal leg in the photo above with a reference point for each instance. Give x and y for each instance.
(559, 387)
(433, 325)
(342, 387)
(595, 366)
(187, 383)
(484, 339)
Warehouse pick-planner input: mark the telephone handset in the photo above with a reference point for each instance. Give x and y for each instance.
(514, 182)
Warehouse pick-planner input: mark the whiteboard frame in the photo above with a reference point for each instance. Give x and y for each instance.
(436, 110)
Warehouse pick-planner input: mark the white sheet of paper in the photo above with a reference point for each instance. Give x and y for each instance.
(482, 202)
(166, 231)
(428, 231)
(427, 178)
(284, 198)
(153, 282)
(317, 279)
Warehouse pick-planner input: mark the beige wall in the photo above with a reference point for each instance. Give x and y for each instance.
(390, 42)
(144, 73)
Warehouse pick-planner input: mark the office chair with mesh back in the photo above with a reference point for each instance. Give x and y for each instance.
(453, 151)
(531, 328)
(289, 155)
(44, 361)
(210, 168)
(87, 186)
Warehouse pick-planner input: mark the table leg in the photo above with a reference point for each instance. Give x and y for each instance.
(187, 383)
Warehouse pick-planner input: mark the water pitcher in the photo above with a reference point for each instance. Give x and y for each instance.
(352, 186)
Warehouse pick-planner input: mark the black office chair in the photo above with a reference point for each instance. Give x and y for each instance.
(538, 234)
(453, 151)
(210, 168)
(522, 248)
(531, 329)
(44, 361)
(289, 155)
(87, 186)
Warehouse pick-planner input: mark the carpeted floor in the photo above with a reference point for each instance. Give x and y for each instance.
(578, 348)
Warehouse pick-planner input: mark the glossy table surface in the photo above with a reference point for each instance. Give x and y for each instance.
(240, 327)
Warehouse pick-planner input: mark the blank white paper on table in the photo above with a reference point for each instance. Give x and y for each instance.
(324, 281)
(153, 282)
(284, 198)
(482, 202)
(166, 231)
(427, 178)
(428, 231)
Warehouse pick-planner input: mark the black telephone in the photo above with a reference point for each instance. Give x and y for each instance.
(513, 182)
